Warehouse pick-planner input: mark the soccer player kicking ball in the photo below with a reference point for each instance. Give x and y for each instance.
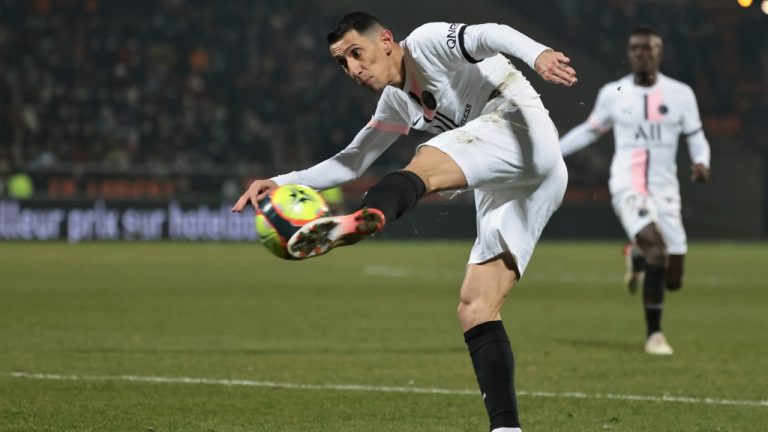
(648, 112)
(493, 135)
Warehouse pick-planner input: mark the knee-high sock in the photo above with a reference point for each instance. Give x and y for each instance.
(653, 296)
(494, 366)
(638, 260)
(395, 194)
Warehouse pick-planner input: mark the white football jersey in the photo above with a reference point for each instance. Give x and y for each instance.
(449, 78)
(451, 72)
(647, 123)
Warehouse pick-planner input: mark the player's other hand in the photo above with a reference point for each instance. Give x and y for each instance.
(553, 67)
(258, 190)
(699, 173)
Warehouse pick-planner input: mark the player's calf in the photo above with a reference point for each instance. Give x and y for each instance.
(635, 268)
(494, 366)
(675, 272)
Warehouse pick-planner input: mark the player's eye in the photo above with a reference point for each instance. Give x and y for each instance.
(357, 53)
(343, 63)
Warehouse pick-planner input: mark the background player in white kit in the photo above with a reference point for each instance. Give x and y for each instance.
(648, 112)
(494, 137)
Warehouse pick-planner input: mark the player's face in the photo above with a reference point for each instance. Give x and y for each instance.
(365, 57)
(644, 53)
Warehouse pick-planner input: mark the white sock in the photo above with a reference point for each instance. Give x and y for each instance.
(506, 429)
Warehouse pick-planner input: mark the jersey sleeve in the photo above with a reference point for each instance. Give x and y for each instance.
(453, 45)
(598, 122)
(691, 117)
(577, 138)
(693, 130)
(600, 118)
(384, 128)
(486, 40)
(391, 113)
(346, 165)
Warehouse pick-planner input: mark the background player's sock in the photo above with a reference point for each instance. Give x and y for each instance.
(638, 260)
(675, 272)
(395, 194)
(653, 296)
(495, 370)
(507, 430)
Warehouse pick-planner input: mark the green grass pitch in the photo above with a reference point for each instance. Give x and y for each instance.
(97, 337)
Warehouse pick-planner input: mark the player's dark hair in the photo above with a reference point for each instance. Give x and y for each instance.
(645, 31)
(358, 21)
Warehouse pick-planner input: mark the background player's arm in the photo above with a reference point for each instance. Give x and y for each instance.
(579, 137)
(346, 165)
(698, 146)
(597, 124)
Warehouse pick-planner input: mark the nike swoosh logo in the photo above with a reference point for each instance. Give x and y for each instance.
(417, 120)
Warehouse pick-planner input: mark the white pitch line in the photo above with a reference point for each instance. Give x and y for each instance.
(383, 389)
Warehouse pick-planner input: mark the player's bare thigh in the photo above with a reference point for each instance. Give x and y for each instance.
(438, 171)
(484, 289)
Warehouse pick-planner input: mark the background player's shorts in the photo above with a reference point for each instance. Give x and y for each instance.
(636, 211)
(511, 157)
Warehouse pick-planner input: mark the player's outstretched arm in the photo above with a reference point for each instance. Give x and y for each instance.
(255, 193)
(344, 166)
(485, 40)
(554, 67)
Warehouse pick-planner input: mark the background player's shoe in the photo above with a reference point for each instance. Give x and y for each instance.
(323, 234)
(635, 268)
(657, 344)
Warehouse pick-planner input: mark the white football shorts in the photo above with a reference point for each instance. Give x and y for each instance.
(636, 211)
(511, 158)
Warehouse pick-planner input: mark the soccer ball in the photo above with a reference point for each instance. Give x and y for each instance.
(283, 212)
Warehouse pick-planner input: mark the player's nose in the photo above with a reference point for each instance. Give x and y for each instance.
(355, 68)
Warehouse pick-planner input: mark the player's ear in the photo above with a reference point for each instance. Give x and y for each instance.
(387, 40)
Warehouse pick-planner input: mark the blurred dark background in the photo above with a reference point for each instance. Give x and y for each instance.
(135, 105)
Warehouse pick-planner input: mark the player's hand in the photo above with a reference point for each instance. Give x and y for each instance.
(553, 67)
(699, 173)
(258, 190)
